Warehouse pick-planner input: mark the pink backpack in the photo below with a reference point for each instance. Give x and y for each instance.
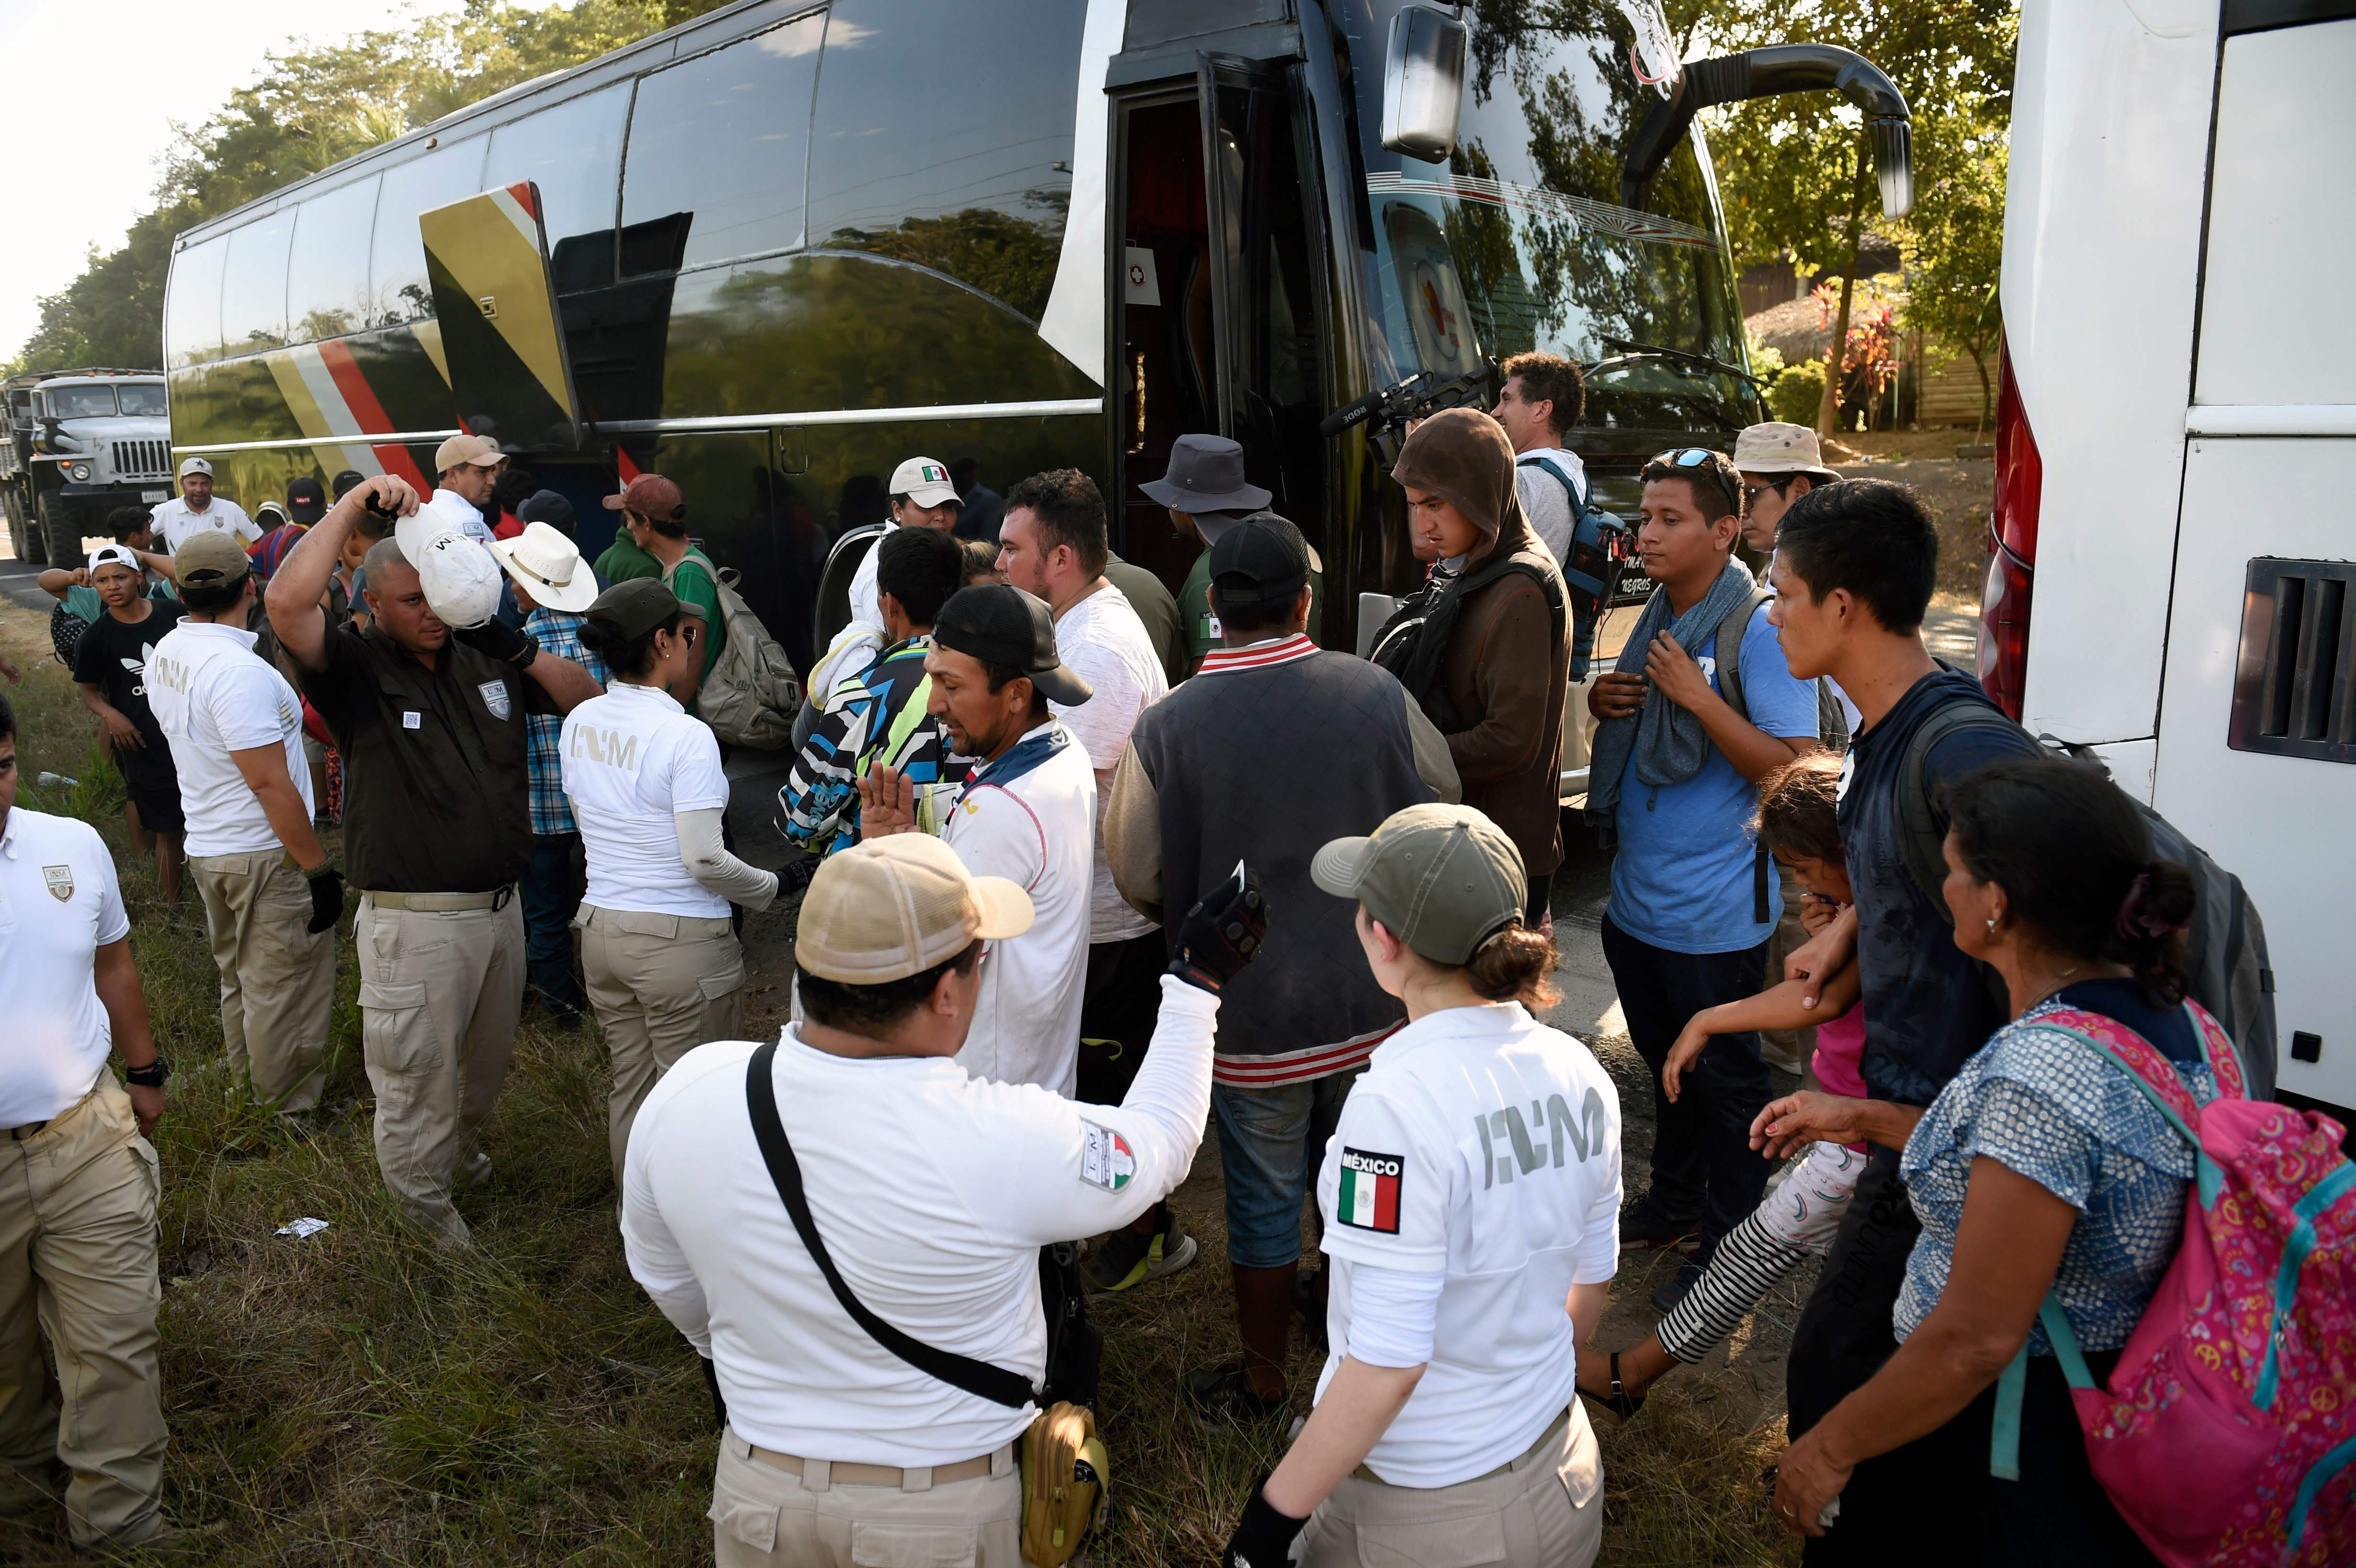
(2227, 1435)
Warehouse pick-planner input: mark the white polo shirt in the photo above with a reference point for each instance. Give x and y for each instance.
(459, 514)
(633, 758)
(175, 521)
(866, 598)
(1101, 640)
(59, 904)
(1030, 819)
(1482, 1145)
(933, 1191)
(211, 695)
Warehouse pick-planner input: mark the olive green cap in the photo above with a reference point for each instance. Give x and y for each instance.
(1443, 879)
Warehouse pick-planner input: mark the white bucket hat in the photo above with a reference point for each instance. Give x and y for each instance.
(460, 579)
(1778, 448)
(548, 566)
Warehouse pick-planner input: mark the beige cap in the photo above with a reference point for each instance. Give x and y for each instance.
(460, 451)
(210, 560)
(1443, 879)
(923, 481)
(1778, 448)
(889, 908)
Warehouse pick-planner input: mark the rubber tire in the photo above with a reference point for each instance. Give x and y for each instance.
(31, 544)
(56, 526)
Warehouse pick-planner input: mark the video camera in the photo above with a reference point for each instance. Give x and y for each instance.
(1419, 397)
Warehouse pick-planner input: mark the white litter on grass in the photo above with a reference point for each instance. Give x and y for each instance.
(301, 1228)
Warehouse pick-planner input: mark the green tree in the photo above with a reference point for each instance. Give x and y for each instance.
(1796, 170)
(314, 107)
(1954, 248)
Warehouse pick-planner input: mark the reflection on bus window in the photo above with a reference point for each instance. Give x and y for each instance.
(396, 259)
(253, 286)
(572, 152)
(1427, 279)
(192, 304)
(327, 289)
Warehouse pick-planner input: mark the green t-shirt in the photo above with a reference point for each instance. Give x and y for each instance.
(1201, 627)
(699, 591)
(623, 560)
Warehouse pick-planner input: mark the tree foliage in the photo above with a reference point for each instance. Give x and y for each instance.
(313, 107)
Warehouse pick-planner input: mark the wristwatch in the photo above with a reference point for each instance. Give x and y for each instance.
(151, 1076)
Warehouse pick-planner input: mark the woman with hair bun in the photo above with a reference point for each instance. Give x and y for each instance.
(2041, 1170)
(1471, 1195)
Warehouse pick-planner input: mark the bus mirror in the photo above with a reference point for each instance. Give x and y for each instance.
(1767, 73)
(1423, 83)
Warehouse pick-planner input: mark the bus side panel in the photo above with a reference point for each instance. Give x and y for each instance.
(2279, 822)
(2109, 141)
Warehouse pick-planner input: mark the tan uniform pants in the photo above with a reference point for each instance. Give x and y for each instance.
(277, 980)
(766, 1517)
(1546, 1506)
(440, 993)
(660, 985)
(1786, 1049)
(77, 1237)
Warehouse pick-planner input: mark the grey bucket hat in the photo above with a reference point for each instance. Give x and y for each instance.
(1205, 474)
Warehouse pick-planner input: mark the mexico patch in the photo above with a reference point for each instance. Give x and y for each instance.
(1106, 1158)
(1369, 1198)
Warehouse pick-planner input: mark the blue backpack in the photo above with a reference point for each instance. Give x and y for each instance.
(1600, 547)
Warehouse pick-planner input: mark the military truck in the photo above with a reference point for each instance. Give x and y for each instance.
(80, 443)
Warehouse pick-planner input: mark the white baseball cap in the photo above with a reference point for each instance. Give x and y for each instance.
(460, 579)
(195, 465)
(115, 555)
(923, 481)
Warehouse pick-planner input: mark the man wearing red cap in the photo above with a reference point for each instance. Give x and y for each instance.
(655, 515)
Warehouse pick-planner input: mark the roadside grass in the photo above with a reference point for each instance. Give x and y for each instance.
(359, 1398)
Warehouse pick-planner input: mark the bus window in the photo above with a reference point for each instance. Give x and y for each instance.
(192, 315)
(943, 136)
(397, 256)
(253, 286)
(573, 154)
(720, 141)
(327, 267)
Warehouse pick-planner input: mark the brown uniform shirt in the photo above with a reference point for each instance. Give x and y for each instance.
(436, 791)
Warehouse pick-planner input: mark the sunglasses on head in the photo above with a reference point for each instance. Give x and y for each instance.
(1686, 456)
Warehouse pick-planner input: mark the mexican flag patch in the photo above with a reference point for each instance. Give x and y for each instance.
(1106, 1158)
(1369, 1199)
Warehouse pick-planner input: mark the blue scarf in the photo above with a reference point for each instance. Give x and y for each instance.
(1669, 742)
(1026, 755)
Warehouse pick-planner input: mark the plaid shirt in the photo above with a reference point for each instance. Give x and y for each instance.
(558, 632)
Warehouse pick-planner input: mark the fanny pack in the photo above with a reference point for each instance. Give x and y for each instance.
(1065, 1472)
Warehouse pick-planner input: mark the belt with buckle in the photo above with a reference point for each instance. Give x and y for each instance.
(841, 1473)
(443, 903)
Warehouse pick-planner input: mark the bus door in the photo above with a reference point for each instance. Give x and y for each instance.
(1221, 285)
(510, 378)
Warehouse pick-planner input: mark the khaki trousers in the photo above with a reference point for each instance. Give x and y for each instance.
(762, 1517)
(1545, 1508)
(440, 993)
(660, 985)
(77, 1238)
(1787, 1050)
(277, 980)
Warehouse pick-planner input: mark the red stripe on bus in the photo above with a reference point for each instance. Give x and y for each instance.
(360, 399)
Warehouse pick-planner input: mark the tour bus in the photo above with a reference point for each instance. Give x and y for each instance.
(2171, 572)
(776, 250)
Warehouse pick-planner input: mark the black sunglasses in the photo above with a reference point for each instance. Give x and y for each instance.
(1685, 457)
(1750, 492)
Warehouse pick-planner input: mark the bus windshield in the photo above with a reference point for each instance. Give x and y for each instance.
(83, 402)
(142, 398)
(1520, 241)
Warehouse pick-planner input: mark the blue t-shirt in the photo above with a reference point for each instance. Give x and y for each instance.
(1682, 878)
(1927, 1005)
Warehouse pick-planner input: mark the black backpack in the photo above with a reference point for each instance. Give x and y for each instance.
(2225, 951)
(1600, 548)
(1414, 640)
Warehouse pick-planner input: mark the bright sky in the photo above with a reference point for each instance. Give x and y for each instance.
(111, 78)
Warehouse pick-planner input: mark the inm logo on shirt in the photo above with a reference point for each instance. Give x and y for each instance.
(1369, 1198)
(608, 746)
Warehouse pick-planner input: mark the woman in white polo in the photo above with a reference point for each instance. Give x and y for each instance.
(664, 970)
(1471, 1204)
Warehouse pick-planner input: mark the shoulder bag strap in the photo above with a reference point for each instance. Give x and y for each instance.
(979, 1378)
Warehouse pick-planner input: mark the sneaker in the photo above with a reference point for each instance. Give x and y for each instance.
(1643, 1227)
(1127, 1258)
(1222, 1393)
(1665, 1299)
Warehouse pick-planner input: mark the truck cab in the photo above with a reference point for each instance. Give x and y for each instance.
(79, 444)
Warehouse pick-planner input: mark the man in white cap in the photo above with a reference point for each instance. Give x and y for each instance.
(465, 469)
(196, 508)
(922, 498)
(554, 586)
(1779, 463)
(428, 707)
(921, 1194)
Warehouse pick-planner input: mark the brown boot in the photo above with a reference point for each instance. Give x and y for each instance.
(1255, 1389)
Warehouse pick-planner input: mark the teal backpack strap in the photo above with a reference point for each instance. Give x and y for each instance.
(2325, 1470)
(2004, 1433)
(2319, 1198)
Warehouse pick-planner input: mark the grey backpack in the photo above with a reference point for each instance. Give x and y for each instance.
(750, 693)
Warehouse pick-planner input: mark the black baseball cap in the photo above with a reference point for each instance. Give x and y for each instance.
(547, 507)
(1260, 559)
(307, 500)
(349, 480)
(1003, 625)
(635, 606)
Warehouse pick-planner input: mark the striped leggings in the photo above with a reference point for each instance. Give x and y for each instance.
(1750, 1260)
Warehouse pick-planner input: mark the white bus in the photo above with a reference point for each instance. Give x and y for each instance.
(2174, 572)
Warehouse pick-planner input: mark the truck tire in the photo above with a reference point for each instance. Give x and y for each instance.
(32, 546)
(62, 531)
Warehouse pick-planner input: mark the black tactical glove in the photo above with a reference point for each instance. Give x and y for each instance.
(326, 898)
(1263, 1538)
(1221, 932)
(496, 639)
